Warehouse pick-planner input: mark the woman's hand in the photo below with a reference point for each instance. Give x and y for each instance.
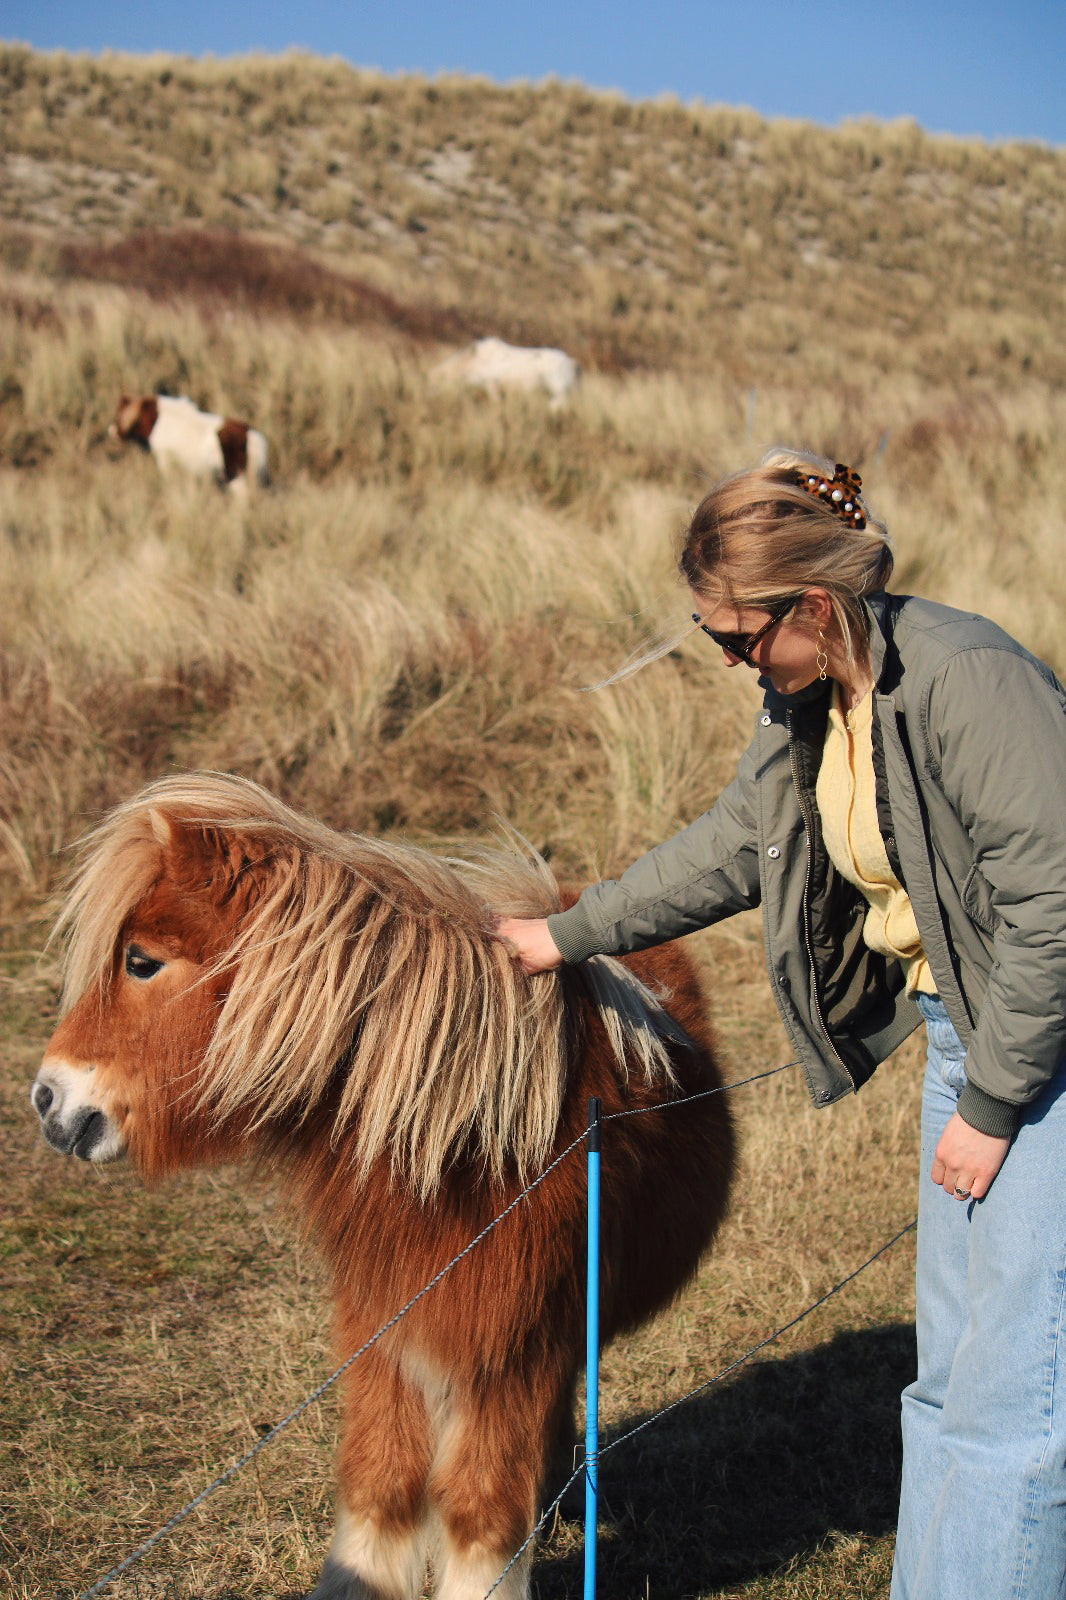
(966, 1161)
(530, 942)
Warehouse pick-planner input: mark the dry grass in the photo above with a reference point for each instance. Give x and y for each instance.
(397, 637)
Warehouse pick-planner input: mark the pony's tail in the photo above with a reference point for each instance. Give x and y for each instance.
(639, 1029)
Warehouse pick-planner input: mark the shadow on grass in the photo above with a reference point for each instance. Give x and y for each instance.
(748, 1476)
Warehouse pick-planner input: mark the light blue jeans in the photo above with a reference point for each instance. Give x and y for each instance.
(983, 1498)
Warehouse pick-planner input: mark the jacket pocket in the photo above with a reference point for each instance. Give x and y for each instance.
(977, 900)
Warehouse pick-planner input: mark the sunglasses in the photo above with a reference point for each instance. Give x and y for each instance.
(742, 644)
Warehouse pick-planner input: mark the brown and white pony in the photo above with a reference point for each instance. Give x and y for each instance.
(242, 981)
(186, 441)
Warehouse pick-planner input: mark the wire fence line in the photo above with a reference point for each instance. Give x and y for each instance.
(546, 1515)
(224, 1477)
(708, 1383)
(762, 1344)
(703, 1094)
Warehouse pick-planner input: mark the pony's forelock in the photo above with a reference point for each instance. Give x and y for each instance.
(118, 864)
(376, 957)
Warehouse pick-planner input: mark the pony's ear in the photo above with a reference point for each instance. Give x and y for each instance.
(162, 826)
(191, 849)
(199, 855)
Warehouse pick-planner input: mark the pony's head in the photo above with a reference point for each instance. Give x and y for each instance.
(163, 887)
(239, 976)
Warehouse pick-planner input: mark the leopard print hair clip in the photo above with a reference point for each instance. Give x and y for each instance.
(840, 493)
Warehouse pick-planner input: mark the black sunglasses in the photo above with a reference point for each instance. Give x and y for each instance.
(742, 644)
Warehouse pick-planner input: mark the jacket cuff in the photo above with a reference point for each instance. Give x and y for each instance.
(982, 1111)
(573, 934)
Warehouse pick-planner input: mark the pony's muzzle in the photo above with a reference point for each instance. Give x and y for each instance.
(70, 1121)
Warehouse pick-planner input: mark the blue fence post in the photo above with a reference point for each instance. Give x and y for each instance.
(592, 1351)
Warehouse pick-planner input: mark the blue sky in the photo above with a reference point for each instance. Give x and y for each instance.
(991, 67)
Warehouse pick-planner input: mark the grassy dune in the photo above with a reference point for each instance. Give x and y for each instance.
(399, 636)
(655, 233)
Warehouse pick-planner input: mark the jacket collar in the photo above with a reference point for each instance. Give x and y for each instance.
(882, 610)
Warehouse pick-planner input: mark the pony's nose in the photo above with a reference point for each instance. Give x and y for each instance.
(41, 1098)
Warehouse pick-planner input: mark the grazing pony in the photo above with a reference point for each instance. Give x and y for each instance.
(492, 365)
(242, 981)
(197, 444)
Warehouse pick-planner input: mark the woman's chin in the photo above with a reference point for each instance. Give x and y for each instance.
(789, 683)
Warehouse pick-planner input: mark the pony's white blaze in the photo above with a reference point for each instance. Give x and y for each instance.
(73, 1118)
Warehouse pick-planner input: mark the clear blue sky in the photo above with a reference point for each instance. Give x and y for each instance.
(990, 67)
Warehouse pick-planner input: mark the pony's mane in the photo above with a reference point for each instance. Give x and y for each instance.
(378, 955)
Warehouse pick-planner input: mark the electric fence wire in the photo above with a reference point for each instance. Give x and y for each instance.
(708, 1383)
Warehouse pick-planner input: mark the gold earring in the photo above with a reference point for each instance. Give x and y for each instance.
(821, 659)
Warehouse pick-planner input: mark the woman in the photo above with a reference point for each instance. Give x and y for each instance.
(900, 815)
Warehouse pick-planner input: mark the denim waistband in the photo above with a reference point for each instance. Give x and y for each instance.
(932, 1007)
(946, 1049)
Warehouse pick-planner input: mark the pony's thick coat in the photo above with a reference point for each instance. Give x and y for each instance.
(242, 980)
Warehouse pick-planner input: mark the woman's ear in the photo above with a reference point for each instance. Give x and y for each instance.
(816, 607)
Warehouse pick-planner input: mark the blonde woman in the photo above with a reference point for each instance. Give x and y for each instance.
(899, 816)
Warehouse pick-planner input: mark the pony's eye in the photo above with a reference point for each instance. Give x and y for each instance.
(140, 966)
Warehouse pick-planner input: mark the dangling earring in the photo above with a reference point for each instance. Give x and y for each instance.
(821, 659)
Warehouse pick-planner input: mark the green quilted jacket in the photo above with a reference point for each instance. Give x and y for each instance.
(970, 768)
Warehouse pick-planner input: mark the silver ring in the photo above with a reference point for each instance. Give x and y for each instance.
(963, 1194)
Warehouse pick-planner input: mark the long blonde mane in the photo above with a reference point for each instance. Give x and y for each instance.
(377, 956)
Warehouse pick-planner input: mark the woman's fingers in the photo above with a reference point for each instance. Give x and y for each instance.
(967, 1161)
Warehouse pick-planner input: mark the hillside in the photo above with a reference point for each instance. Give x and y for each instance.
(654, 234)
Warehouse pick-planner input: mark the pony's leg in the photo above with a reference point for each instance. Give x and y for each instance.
(380, 1544)
(563, 1454)
(369, 1562)
(484, 1489)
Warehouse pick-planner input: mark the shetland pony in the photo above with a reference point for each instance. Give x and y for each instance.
(493, 366)
(197, 444)
(243, 982)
